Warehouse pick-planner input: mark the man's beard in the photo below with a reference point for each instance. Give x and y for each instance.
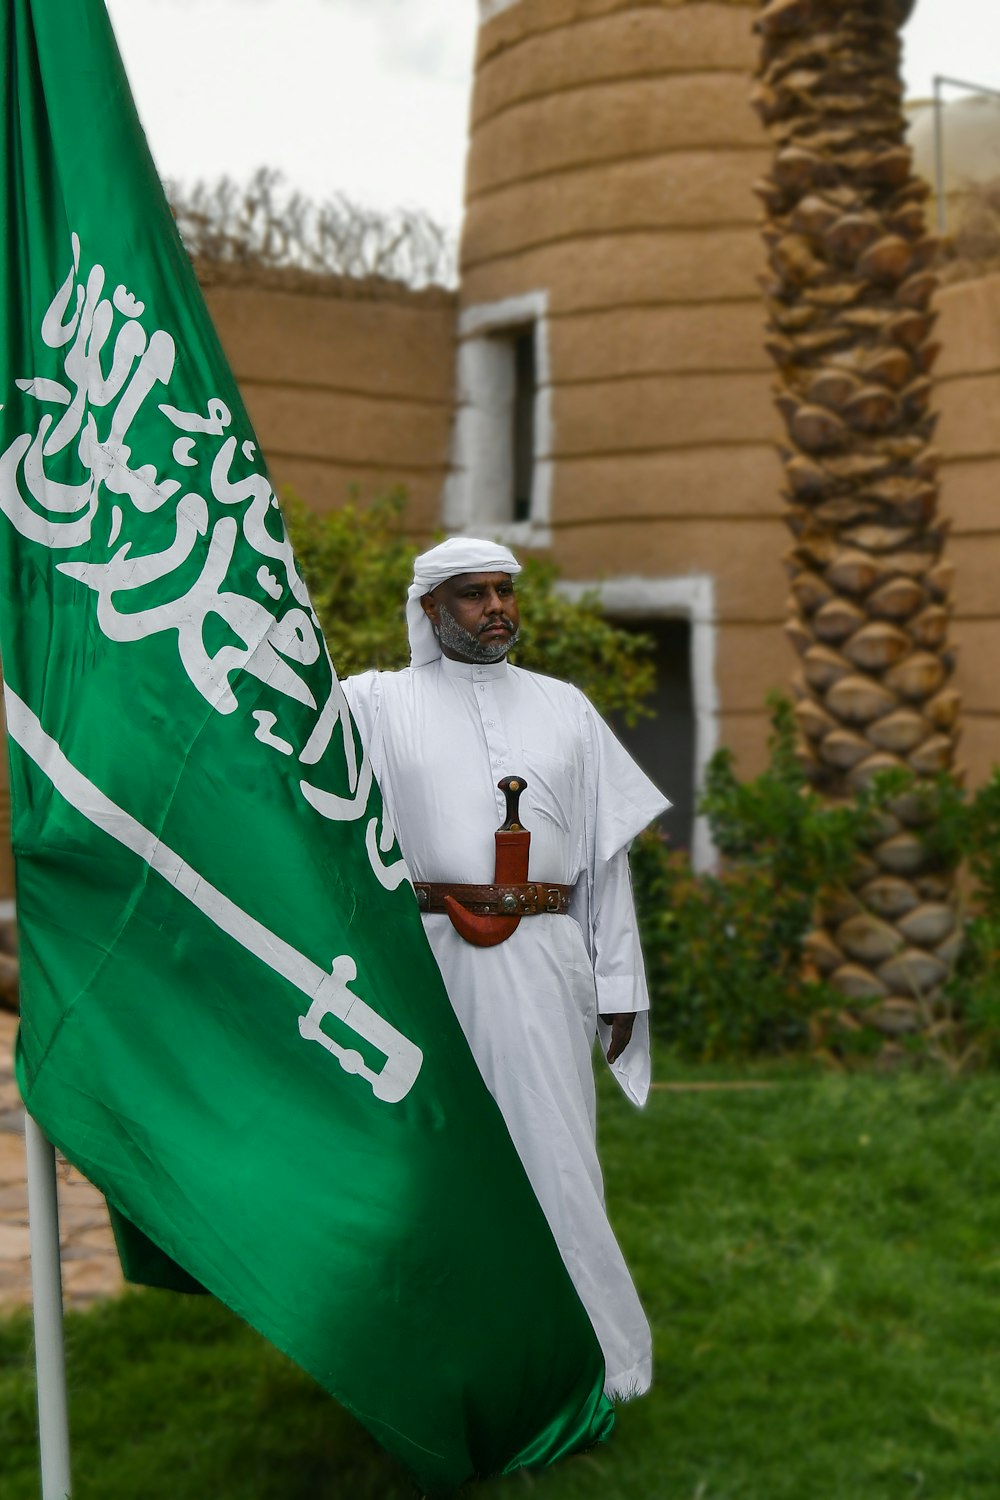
(468, 646)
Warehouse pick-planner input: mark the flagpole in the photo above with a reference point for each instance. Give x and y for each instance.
(46, 1292)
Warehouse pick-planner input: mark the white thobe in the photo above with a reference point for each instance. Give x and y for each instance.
(440, 737)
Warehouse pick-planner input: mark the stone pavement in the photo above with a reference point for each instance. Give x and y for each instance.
(90, 1265)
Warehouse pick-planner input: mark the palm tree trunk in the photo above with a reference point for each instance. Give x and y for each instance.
(850, 324)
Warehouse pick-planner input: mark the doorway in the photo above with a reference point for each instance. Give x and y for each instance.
(664, 744)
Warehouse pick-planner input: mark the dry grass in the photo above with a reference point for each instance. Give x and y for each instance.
(263, 227)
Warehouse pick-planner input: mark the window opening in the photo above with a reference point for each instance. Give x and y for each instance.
(523, 436)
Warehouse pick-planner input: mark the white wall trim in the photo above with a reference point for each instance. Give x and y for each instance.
(490, 8)
(691, 598)
(477, 483)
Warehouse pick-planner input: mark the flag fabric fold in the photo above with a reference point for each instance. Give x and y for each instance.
(231, 1021)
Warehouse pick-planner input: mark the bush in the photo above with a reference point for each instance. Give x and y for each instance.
(723, 982)
(727, 954)
(966, 828)
(726, 951)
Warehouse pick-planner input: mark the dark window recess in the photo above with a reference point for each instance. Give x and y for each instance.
(664, 744)
(525, 391)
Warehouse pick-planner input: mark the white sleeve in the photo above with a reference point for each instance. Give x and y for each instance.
(618, 966)
(620, 976)
(363, 694)
(623, 801)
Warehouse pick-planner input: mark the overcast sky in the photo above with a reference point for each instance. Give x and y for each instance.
(370, 97)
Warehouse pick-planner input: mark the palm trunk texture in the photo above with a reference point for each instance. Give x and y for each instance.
(848, 298)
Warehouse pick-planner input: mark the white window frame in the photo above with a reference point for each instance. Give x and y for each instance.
(691, 598)
(480, 478)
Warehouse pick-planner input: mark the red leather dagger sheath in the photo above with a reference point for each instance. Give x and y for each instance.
(511, 868)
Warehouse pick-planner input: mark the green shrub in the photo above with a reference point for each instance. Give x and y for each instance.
(357, 563)
(965, 827)
(726, 980)
(725, 951)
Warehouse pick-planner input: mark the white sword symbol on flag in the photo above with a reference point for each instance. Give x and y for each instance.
(328, 994)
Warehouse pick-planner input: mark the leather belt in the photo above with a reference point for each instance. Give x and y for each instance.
(527, 899)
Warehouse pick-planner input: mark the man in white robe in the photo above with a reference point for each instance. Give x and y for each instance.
(441, 734)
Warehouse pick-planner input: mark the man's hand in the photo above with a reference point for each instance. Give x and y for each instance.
(621, 1033)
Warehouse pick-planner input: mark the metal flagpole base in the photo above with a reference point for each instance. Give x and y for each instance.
(46, 1291)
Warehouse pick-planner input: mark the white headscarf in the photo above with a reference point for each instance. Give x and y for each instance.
(459, 554)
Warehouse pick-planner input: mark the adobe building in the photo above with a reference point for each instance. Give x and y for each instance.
(614, 399)
(598, 389)
(610, 319)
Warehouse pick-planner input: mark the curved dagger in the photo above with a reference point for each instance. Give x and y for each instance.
(510, 868)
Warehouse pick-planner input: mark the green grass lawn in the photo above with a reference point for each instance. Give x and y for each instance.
(821, 1264)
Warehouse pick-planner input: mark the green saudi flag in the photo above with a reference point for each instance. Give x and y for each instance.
(231, 1021)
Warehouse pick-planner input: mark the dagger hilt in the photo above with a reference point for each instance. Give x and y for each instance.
(512, 787)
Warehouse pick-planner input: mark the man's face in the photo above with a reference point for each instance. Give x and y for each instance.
(474, 615)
